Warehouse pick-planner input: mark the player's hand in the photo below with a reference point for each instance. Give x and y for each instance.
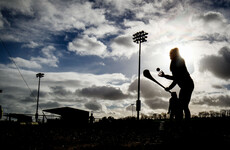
(161, 74)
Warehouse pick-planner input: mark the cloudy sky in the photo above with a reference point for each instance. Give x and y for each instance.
(86, 52)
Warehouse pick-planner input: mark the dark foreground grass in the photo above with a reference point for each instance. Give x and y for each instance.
(118, 134)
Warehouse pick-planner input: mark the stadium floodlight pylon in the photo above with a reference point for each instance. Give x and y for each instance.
(39, 76)
(139, 38)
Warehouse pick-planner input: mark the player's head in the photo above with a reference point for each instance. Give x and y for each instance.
(174, 53)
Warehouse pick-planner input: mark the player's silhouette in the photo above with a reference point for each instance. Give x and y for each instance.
(181, 77)
(175, 109)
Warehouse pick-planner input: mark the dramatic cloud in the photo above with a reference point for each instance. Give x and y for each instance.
(49, 57)
(2, 21)
(216, 37)
(57, 89)
(103, 92)
(23, 6)
(42, 94)
(212, 22)
(157, 103)
(219, 101)
(49, 105)
(124, 41)
(102, 30)
(93, 105)
(26, 63)
(212, 17)
(148, 89)
(67, 15)
(123, 46)
(45, 17)
(217, 64)
(31, 45)
(217, 86)
(60, 91)
(88, 46)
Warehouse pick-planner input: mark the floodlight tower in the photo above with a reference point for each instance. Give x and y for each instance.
(139, 38)
(39, 76)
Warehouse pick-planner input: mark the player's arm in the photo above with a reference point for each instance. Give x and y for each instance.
(171, 86)
(162, 74)
(169, 77)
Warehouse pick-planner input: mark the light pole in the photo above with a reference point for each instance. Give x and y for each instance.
(39, 76)
(139, 38)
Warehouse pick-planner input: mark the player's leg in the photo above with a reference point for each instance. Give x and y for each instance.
(185, 96)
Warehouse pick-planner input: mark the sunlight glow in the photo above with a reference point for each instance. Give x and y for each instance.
(186, 52)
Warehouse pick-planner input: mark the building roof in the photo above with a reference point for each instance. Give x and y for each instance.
(63, 111)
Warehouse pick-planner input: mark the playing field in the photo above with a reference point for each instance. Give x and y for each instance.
(118, 134)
